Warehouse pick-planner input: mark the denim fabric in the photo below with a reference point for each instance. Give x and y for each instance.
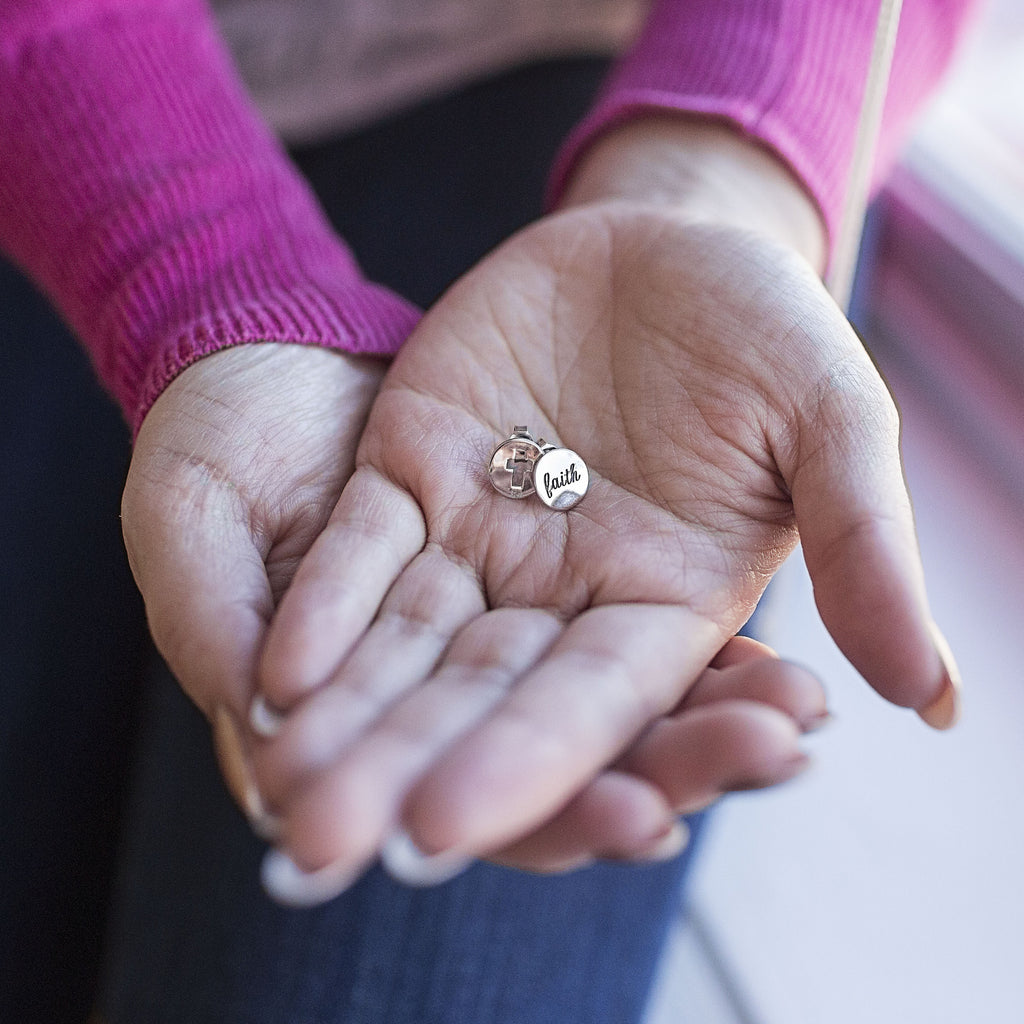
(197, 942)
(72, 649)
(192, 938)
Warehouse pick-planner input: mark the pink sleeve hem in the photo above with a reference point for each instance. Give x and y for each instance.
(787, 73)
(369, 320)
(624, 107)
(142, 192)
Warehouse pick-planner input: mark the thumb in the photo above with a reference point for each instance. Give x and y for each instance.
(856, 526)
(207, 595)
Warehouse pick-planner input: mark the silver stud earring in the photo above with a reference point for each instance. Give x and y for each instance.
(560, 477)
(511, 465)
(523, 464)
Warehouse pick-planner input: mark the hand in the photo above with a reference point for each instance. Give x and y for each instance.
(464, 664)
(736, 729)
(235, 472)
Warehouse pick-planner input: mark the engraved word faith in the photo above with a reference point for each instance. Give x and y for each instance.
(563, 479)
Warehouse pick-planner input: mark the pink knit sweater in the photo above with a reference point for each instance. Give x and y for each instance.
(142, 192)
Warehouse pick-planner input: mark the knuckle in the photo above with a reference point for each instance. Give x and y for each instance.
(852, 397)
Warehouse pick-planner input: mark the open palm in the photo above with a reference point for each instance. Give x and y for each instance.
(465, 663)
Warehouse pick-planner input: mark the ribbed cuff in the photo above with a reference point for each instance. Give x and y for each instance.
(142, 192)
(788, 73)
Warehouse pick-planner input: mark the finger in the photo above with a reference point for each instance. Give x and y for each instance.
(740, 649)
(731, 745)
(205, 585)
(373, 533)
(430, 602)
(627, 816)
(612, 671)
(766, 679)
(617, 817)
(857, 529)
(207, 599)
(342, 814)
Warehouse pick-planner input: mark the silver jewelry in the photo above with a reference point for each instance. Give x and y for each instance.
(511, 465)
(561, 478)
(523, 464)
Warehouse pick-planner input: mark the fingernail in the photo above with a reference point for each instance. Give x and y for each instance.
(795, 766)
(668, 847)
(788, 770)
(266, 825)
(405, 862)
(265, 721)
(944, 711)
(816, 722)
(287, 883)
(234, 766)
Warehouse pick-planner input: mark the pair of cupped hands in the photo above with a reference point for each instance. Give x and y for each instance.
(398, 661)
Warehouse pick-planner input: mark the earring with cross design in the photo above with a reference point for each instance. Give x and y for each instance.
(511, 464)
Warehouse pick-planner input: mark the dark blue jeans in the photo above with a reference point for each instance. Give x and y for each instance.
(191, 937)
(195, 941)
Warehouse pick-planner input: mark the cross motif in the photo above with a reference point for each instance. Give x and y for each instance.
(520, 465)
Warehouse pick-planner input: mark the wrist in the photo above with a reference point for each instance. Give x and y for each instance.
(705, 170)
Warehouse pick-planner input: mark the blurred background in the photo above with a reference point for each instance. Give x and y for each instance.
(886, 884)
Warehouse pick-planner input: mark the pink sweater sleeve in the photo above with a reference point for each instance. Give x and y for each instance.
(144, 195)
(790, 73)
(140, 190)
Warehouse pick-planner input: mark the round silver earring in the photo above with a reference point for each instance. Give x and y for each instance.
(522, 464)
(560, 477)
(511, 464)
